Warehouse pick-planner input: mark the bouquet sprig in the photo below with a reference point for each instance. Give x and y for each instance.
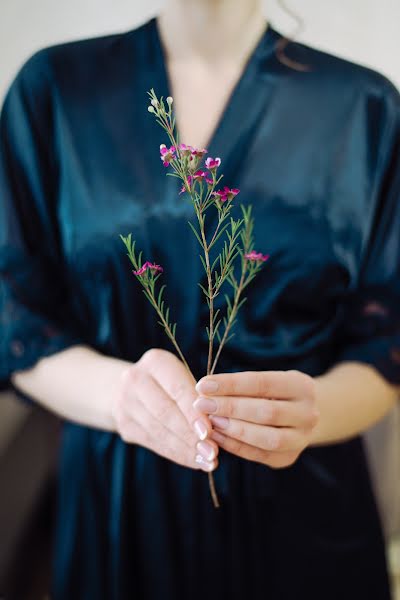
(233, 268)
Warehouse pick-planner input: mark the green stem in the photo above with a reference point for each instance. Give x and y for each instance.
(170, 132)
(210, 294)
(215, 233)
(232, 317)
(168, 330)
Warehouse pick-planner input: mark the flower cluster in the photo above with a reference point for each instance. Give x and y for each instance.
(148, 265)
(191, 154)
(226, 194)
(256, 256)
(197, 176)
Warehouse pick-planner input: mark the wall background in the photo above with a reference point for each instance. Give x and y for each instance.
(365, 31)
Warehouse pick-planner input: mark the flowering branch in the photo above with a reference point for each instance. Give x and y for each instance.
(200, 184)
(250, 265)
(148, 274)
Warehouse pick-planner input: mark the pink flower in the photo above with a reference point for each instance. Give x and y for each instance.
(148, 265)
(203, 175)
(167, 154)
(185, 150)
(213, 163)
(226, 193)
(199, 153)
(256, 256)
(198, 175)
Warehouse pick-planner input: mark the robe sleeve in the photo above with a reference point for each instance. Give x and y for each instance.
(370, 331)
(35, 311)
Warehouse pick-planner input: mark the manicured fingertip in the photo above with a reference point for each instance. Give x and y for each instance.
(201, 429)
(205, 464)
(219, 422)
(207, 450)
(205, 405)
(207, 386)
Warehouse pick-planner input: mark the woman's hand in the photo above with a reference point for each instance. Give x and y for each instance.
(153, 407)
(267, 417)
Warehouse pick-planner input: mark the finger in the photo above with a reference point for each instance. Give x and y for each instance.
(276, 460)
(166, 445)
(141, 387)
(277, 439)
(257, 384)
(172, 375)
(136, 425)
(139, 426)
(279, 413)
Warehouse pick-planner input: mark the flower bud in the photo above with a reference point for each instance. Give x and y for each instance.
(169, 101)
(151, 109)
(154, 102)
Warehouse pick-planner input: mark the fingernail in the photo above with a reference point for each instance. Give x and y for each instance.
(207, 386)
(201, 429)
(206, 450)
(220, 422)
(207, 466)
(205, 405)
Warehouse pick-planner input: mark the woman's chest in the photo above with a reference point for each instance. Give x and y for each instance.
(310, 205)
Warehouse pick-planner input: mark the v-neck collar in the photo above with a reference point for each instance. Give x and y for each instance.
(242, 101)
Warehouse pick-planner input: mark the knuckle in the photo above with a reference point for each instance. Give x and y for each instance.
(295, 374)
(135, 374)
(226, 407)
(153, 355)
(303, 381)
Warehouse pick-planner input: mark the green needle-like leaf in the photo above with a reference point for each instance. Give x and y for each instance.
(192, 227)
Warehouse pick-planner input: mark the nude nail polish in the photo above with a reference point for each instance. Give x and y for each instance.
(205, 405)
(219, 422)
(206, 450)
(201, 429)
(207, 386)
(207, 466)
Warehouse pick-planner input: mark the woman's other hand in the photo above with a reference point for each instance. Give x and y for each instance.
(267, 417)
(153, 407)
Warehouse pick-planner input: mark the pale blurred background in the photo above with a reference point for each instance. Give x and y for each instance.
(365, 31)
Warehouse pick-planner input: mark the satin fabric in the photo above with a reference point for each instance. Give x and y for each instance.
(317, 155)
